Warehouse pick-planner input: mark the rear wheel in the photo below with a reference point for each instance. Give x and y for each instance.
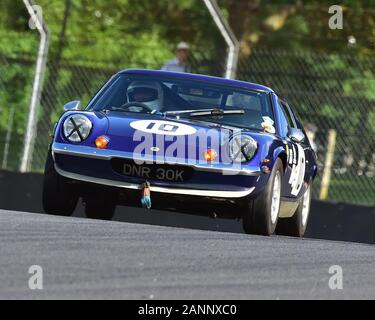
(58, 196)
(296, 225)
(262, 214)
(101, 208)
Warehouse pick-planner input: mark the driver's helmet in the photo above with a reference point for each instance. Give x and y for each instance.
(245, 101)
(149, 93)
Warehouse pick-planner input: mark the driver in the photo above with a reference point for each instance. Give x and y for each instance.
(252, 107)
(148, 93)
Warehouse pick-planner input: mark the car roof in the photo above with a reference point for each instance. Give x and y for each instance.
(198, 77)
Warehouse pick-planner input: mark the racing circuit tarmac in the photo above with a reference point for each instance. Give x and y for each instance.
(87, 259)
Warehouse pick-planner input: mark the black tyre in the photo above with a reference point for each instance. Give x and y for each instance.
(58, 196)
(261, 216)
(100, 208)
(296, 225)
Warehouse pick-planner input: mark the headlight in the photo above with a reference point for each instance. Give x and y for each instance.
(77, 128)
(242, 148)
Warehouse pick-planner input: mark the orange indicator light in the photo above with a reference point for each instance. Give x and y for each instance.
(210, 155)
(101, 142)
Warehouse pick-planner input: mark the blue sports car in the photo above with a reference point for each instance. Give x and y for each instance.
(187, 143)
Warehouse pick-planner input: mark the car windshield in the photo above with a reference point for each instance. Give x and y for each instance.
(187, 99)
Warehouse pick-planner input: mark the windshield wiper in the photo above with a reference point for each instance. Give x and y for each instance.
(216, 113)
(205, 112)
(179, 112)
(116, 109)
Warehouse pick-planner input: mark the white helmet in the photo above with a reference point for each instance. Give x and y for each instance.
(183, 46)
(149, 93)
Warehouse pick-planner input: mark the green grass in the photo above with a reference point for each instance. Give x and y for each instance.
(350, 189)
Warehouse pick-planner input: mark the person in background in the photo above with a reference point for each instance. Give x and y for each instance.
(179, 64)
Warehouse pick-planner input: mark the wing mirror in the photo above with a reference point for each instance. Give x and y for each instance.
(296, 135)
(73, 106)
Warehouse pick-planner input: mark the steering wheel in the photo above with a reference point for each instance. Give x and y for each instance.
(144, 106)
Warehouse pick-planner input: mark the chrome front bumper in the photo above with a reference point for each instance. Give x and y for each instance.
(177, 191)
(89, 152)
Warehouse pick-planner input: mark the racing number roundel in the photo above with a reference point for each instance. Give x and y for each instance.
(297, 159)
(163, 127)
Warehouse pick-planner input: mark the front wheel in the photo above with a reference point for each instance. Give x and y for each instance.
(58, 196)
(296, 225)
(262, 214)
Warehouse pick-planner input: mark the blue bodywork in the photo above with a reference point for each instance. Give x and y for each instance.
(85, 162)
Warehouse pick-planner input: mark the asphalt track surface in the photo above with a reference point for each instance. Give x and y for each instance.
(87, 259)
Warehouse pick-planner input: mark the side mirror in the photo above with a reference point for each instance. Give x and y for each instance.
(296, 135)
(73, 106)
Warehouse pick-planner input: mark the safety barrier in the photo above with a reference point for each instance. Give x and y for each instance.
(330, 221)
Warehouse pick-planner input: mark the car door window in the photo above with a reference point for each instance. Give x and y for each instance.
(286, 118)
(292, 119)
(288, 114)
